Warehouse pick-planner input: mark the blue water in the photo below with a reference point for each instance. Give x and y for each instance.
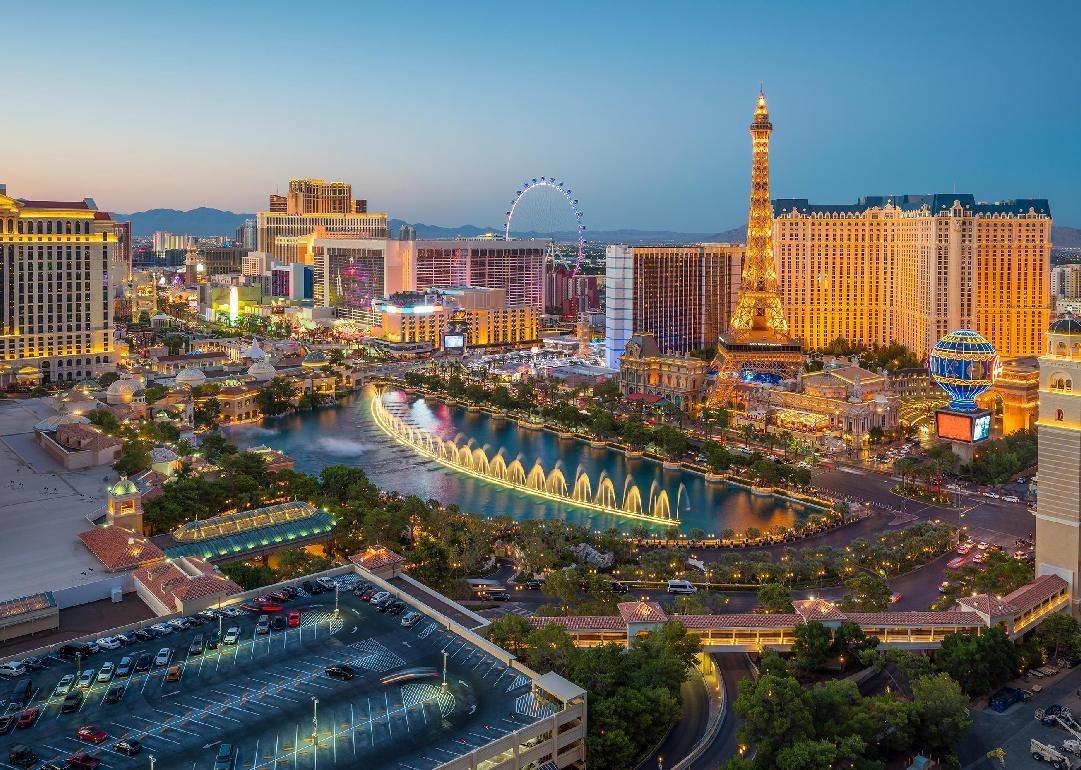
(347, 435)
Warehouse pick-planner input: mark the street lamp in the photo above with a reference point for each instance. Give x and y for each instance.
(153, 759)
(337, 612)
(444, 669)
(315, 721)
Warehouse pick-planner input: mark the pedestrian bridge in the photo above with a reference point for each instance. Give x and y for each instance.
(1015, 613)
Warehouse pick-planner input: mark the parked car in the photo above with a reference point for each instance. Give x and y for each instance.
(277, 623)
(123, 668)
(22, 755)
(262, 626)
(83, 760)
(165, 654)
(162, 629)
(86, 679)
(91, 734)
(395, 607)
(73, 650)
(105, 673)
(108, 643)
(224, 758)
(28, 716)
(145, 634)
(128, 746)
(36, 662)
(312, 587)
(114, 693)
(143, 663)
(196, 646)
(64, 685)
(681, 587)
(293, 619)
(340, 671)
(368, 594)
(212, 640)
(410, 619)
(180, 624)
(72, 701)
(14, 668)
(232, 635)
(173, 674)
(127, 638)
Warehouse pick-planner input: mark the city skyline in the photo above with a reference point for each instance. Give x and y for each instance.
(649, 111)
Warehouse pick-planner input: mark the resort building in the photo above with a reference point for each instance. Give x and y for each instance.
(1058, 508)
(682, 295)
(238, 404)
(350, 274)
(60, 265)
(645, 371)
(1014, 399)
(516, 267)
(311, 204)
(912, 268)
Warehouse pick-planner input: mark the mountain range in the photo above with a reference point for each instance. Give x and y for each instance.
(206, 222)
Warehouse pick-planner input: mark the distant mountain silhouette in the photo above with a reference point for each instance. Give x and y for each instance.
(201, 221)
(208, 222)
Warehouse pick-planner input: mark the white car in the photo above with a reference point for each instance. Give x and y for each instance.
(1012, 499)
(326, 582)
(232, 635)
(165, 654)
(180, 624)
(162, 628)
(109, 643)
(14, 668)
(86, 679)
(105, 673)
(64, 685)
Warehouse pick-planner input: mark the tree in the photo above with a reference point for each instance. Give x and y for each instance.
(134, 456)
(776, 713)
(635, 432)
(275, 397)
(215, 446)
(811, 646)
(550, 649)
(1057, 634)
(673, 441)
(562, 584)
(510, 632)
(866, 593)
(978, 662)
(774, 597)
(940, 712)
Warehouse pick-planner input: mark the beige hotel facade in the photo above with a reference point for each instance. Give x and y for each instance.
(912, 268)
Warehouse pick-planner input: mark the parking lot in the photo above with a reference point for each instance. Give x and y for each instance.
(270, 698)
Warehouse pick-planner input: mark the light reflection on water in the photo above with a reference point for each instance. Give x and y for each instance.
(347, 435)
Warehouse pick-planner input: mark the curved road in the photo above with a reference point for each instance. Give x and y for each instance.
(734, 668)
(687, 731)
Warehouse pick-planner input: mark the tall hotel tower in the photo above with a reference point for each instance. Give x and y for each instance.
(59, 262)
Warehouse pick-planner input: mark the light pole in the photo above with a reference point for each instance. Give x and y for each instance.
(444, 669)
(337, 612)
(315, 724)
(153, 759)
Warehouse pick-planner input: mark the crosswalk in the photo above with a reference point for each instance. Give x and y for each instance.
(374, 656)
(529, 705)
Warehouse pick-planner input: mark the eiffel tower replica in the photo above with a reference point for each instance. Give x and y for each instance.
(756, 347)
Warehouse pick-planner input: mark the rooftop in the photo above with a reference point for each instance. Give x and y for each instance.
(118, 548)
(935, 203)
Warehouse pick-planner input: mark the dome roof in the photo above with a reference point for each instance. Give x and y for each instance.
(1067, 325)
(964, 365)
(125, 386)
(190, 376)
(262, 370)
(123, 486)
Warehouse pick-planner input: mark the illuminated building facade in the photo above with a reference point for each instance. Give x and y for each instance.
(757, 345)
(1066, 282)
(310, 205)
(681, 380)
(203, 262)
(517, 267)
(1015, 397)
(350, 274)
(480, 316)
(56, 305)
(912, 268)
(566, 293)
(1058, 507)
(682, 295)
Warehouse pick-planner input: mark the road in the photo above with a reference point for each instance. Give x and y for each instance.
(734, 668)
(690, 727)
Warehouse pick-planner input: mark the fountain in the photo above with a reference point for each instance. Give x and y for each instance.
(458, 454)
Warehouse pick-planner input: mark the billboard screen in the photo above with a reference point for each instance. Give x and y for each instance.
(453, 342)
(981, 427)
(956, 427)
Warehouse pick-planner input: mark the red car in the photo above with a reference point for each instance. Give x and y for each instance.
(91, 734)
(28, 717)
(83, 760)
(293, 619)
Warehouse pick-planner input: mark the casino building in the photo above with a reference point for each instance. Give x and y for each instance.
(911, 268)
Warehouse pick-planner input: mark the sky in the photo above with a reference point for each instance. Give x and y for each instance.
(437, 112)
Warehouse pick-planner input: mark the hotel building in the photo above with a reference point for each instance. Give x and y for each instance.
(682, 295)
(517, 267)
(312, 203)
(56, 308)
(912, 268)
(475, 316)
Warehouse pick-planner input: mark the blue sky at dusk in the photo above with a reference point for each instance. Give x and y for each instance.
(436, 112)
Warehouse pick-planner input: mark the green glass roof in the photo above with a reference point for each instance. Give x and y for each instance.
(248, 540)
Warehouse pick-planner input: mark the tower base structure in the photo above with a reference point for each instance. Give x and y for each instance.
(755, 356)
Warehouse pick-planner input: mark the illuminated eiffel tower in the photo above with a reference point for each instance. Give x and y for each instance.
(756, 346)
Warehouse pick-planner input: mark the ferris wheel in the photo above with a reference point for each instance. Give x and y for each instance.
(549, 182)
